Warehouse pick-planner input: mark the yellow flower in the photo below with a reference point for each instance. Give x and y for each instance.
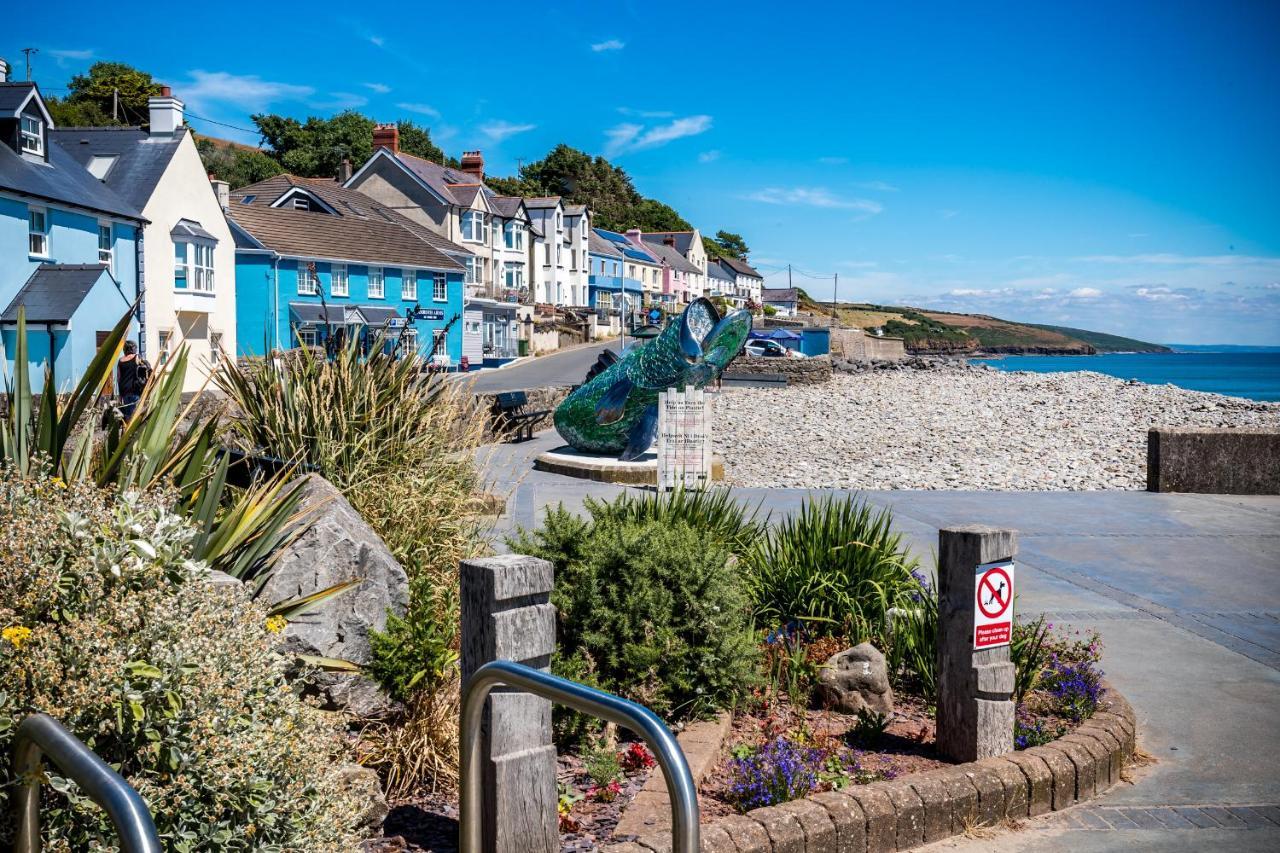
(16, 634)
(57, 481)
(276, 624)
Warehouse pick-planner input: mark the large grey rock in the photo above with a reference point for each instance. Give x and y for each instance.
(364, 784)
(337, 546)
(857, 678)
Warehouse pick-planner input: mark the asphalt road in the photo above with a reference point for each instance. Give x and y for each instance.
(1185, 590)
(557, 370)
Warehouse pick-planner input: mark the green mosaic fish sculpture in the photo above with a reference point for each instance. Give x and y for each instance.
(616, 409)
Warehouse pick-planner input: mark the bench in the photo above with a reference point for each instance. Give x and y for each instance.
(511, 415)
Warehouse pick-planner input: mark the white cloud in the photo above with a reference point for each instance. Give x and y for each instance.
(424, 109)
(499, 130)
(628, 111)
(609, 44)
(65, 56)
(340, 101)
(878, 186)
(709, 156)
(833, 161)
(814, 197)
(979, 293)
(1173, 259)
(380, 88)
(1085, 293)
(636, 137)
(248, 91)
(377, 41)
(1158, 294)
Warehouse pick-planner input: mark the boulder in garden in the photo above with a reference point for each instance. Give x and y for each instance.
(857, 678)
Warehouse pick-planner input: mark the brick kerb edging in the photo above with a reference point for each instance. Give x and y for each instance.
(926, 807)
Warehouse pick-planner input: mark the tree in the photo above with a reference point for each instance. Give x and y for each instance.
(417, 141)
(726, 244)
(237, 165)
(111, 93)
(652, 215)
(316, 148)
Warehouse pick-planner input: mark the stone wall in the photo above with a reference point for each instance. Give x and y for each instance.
(539, 399)
(797, 371)
(857, 345)
(1214, 461)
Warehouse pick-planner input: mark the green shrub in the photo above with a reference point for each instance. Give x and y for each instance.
(109, 627)
(911, 649)
(714, 513)
(651, 610)
(836, 566)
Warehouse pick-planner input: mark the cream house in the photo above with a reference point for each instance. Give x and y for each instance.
(188, 256)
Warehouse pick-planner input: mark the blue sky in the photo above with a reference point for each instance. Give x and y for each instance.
(1107, 165)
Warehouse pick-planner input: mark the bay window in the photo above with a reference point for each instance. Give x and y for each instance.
(202, 268)
(513, 234)
(473, 228)
(375, 283)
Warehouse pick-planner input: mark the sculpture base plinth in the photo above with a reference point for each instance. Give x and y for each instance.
(606, 468)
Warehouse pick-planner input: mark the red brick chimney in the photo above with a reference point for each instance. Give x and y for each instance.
(386, 136)
(473, 164)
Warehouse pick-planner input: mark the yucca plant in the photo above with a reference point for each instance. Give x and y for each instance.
(836, 566)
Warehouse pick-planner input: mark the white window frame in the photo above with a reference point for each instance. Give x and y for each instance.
(473, 226)
(38, 238)
(546, 260)
(301, 202)
(513, 234)
(201, 264)
(31, 141)
(439, 287)
(409, 340)
(215, 345)
(308, 281)
(440, 342)
(513, 275)
(306, 336)
(559, 256)
(339, 282)
(376, 275)
(573, 260)
(181, 265)
(409, 285)
(164, 338)
(107, 254)
(472, 273)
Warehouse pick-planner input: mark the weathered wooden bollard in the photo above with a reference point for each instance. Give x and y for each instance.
(507, 615)
(975, 626)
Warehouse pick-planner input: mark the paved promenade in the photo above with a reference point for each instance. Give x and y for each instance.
(1185, 590)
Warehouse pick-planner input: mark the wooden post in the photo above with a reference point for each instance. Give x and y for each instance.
(975, 687)
(507, 615)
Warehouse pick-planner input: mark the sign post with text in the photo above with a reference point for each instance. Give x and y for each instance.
(684, 439)
(975, 627)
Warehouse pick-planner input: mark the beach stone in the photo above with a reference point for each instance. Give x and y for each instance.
(855, 679)
(337, 545)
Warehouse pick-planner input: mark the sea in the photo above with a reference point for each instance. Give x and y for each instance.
(1254, 375)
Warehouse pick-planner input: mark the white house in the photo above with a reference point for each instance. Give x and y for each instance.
(188, 255)
(559, 262)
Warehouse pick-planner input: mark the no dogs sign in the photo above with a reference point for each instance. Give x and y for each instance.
(993, 605)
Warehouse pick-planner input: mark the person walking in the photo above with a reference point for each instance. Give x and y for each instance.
(132, 373)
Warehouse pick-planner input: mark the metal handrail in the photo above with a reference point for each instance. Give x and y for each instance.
(40, 735)
(606, 706)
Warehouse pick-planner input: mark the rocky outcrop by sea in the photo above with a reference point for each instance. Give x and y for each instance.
(945, 424)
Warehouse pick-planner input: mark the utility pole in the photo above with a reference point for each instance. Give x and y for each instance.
(27, 51)
(835, 299)
(115, 105)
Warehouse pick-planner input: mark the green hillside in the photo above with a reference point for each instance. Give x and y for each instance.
(1103, 342)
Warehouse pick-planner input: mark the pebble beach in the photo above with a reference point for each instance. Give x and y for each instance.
(960, 427)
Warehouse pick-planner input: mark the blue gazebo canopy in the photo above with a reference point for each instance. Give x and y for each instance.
(776, 335)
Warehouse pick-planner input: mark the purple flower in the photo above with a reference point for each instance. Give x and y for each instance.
(779, 771)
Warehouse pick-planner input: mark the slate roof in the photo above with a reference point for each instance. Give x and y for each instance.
(779, 294)
(54, 292)
(141, 159)
(62, 179)
(440, 178)
(683, 239)
(506, 205)
(598, 245)
(363, 231)
(741, 267)
(625, 247)
(715, 270)
(465, 193)
(575, 209)
(13, 95)
(542, 202)
(672, 256)
(348, 203)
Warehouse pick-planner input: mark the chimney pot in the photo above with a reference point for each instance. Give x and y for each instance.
(386, 136)
(166, 92)
(344, 171)
(473, 164)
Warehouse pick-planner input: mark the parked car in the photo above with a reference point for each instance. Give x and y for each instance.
(771, 349)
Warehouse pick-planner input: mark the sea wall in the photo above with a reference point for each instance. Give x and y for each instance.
(796, 371)
(1214, 461)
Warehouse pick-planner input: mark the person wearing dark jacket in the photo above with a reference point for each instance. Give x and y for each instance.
(132, 372)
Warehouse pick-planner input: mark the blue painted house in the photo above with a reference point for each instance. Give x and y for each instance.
(68, 245)
(317, 262)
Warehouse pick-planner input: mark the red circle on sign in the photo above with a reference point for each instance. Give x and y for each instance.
(996, 598)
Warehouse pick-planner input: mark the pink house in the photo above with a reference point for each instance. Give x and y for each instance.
(676, 269)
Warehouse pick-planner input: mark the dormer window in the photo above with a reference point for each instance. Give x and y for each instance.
(301, 202)
(32, 135)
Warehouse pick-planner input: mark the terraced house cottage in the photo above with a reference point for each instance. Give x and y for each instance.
(189, 295)
(318, 264)
(456, 205)
(68, 244)
(561, 248)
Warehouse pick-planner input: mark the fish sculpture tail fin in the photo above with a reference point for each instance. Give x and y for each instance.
(642, 434)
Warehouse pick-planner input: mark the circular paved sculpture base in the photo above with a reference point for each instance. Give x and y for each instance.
(605, 468)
